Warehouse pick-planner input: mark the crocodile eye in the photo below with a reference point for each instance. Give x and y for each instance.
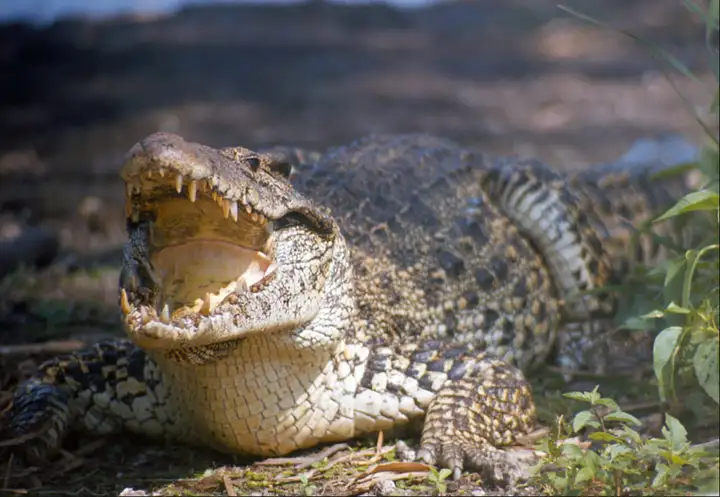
(254, 163)
(292, 219)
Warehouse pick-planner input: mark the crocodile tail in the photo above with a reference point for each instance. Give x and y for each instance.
(85, 388)
(549, 213)
(38, 419)
(625, 198)
(584, 223)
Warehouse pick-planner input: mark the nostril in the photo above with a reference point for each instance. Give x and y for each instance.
(254, 163)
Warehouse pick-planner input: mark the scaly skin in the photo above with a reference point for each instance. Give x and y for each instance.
(418, 282)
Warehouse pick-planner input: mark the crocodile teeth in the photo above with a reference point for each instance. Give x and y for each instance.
(165, 314)
(241, 285)
(234, 210)
(144, 315)
(162, 172)
(253, 274)
(270, 269)
(178, 182)
(226, 207)
(206, 307)
(248, 208)
(192, 191)
(124, 302)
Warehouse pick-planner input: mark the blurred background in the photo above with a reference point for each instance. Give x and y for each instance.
(81, 82)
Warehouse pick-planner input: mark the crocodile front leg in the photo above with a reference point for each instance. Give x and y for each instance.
(472, 401)
(110, 387)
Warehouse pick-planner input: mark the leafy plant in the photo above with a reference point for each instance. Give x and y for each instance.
(438, 478)
(688, 344)
(619, 461)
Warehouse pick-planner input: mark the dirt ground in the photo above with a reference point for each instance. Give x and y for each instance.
(509, 76)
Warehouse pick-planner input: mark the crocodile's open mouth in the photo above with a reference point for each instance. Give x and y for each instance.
(190, 248)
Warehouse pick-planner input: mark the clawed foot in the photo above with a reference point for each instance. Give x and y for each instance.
(501, 467)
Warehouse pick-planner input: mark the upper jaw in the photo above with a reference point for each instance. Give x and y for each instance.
(238, 178)
(164, 159)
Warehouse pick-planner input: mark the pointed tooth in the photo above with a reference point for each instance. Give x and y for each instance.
(178, 182)
(270, 269)
(214, 196)
(162, 172)
(192, 190)
(144, 315)
(234, 210)
(241, 285)
(226, 207)
(124, 302)
(206, 307)
(165, 314)
(248, 209)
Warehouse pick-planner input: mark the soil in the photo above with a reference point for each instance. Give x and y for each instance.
(508, 76)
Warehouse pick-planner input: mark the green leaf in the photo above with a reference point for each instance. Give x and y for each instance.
(590, 397)
(616, 450)
(673, 284)
(584, 474)
(604, 401)
(637, 323)
(703, 200)
(602, 436)
(623, 417)
(572, 452)
(706, 367)
(444, 473)
(653, 315)
(661, 477)
(628, 432)
(582, 419)
(663, 350)
(673, 308)
(674, 432)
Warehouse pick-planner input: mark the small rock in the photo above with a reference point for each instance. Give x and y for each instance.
(404, 452)
(130, 491)
(385, 487)
(668, 150)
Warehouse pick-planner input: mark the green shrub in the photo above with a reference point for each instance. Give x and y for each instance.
(621, 461)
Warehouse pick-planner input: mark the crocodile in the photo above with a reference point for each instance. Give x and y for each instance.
(276, 300)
